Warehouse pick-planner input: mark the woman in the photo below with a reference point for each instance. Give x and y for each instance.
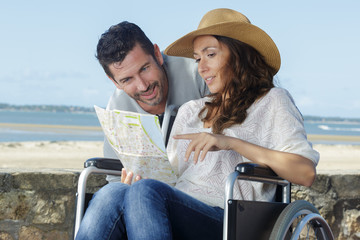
(244, 119)
(245, 113)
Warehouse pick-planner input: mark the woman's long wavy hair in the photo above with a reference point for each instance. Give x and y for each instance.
(247, 78)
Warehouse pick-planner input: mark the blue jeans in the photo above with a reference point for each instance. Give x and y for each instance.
(149, 209)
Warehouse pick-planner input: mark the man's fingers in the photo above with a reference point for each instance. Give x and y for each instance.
(137, 178)
(127, 177)
(123, 175)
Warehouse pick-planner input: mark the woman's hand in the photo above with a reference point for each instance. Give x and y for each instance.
(127, 177)
(203, 143)
(292, 167)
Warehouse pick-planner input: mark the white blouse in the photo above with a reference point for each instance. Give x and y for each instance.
(273, 122)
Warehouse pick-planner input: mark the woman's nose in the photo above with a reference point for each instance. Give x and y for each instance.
(202, 66)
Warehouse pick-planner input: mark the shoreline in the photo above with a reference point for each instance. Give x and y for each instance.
(73, 154)
(45, 127)
(30, 127)
(337, 152)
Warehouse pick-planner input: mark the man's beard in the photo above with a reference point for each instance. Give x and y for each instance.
(151, 102)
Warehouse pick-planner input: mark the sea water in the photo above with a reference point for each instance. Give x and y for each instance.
(9, 134)
(333, 128)
(323, 127)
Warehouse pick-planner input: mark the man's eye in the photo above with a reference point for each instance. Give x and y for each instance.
(197, 60)
(125, 80)
(211, 54)
(145, 68)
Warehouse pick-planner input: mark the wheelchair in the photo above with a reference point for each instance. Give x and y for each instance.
(251, 220)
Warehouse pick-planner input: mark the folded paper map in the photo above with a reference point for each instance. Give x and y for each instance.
(138, 142)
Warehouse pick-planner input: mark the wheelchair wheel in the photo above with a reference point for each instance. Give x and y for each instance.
(301, 220)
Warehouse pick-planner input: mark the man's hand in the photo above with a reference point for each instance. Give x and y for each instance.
(127, 177)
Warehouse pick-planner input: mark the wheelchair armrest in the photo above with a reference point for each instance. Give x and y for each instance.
(104, 163)
(93, 166)
(255, 170)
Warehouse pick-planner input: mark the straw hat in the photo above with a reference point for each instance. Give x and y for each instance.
(228, 23)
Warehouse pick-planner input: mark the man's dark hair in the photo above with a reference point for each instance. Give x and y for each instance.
(118, 41)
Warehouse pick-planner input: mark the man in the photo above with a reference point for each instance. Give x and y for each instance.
(146, 80)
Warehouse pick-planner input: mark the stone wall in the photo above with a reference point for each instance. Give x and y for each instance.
(41, 204)
(337, 197)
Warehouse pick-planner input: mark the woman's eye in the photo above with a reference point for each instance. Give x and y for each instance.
(197, 60)
(211, 54)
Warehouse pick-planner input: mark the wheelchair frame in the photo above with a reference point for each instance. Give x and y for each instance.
(291, 218)
(286, 213)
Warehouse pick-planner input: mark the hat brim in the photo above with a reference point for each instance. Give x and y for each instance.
(244, 32)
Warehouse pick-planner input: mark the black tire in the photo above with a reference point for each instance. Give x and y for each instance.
(295, 211)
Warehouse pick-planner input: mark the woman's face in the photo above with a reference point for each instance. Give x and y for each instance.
(212, 57)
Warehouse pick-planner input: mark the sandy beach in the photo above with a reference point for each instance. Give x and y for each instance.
(46, 154)
(72, 154)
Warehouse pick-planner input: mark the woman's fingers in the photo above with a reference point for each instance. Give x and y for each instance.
(204, 151)
(186, 136)
(202, 143)
(197, 145)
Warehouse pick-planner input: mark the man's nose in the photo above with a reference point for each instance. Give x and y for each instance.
(142, 84)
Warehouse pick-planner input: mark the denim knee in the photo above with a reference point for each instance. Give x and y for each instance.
(145, 206)
(111, 192)
(147, 188)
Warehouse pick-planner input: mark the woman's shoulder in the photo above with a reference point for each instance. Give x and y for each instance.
(275, 99)
(194, 105)
(279, 95)
(278, 91)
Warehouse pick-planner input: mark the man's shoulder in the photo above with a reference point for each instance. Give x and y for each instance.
(178, 60)
(180, 65)
(119, 100)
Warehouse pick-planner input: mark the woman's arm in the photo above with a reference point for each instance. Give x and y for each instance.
(292, 167)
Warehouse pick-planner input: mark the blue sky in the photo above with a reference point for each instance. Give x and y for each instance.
(48, 47)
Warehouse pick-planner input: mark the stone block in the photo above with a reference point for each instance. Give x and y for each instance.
(50, 211)
(5, 182)
(44, 180)
(5, 236)
(33, 233)
(321, 184)
(15, 205)
(349, 182)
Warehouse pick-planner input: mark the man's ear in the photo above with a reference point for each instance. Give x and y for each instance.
(158, 54)
(116, 84)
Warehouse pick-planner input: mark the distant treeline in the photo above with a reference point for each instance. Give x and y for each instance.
(331, 119)
(45, 108)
